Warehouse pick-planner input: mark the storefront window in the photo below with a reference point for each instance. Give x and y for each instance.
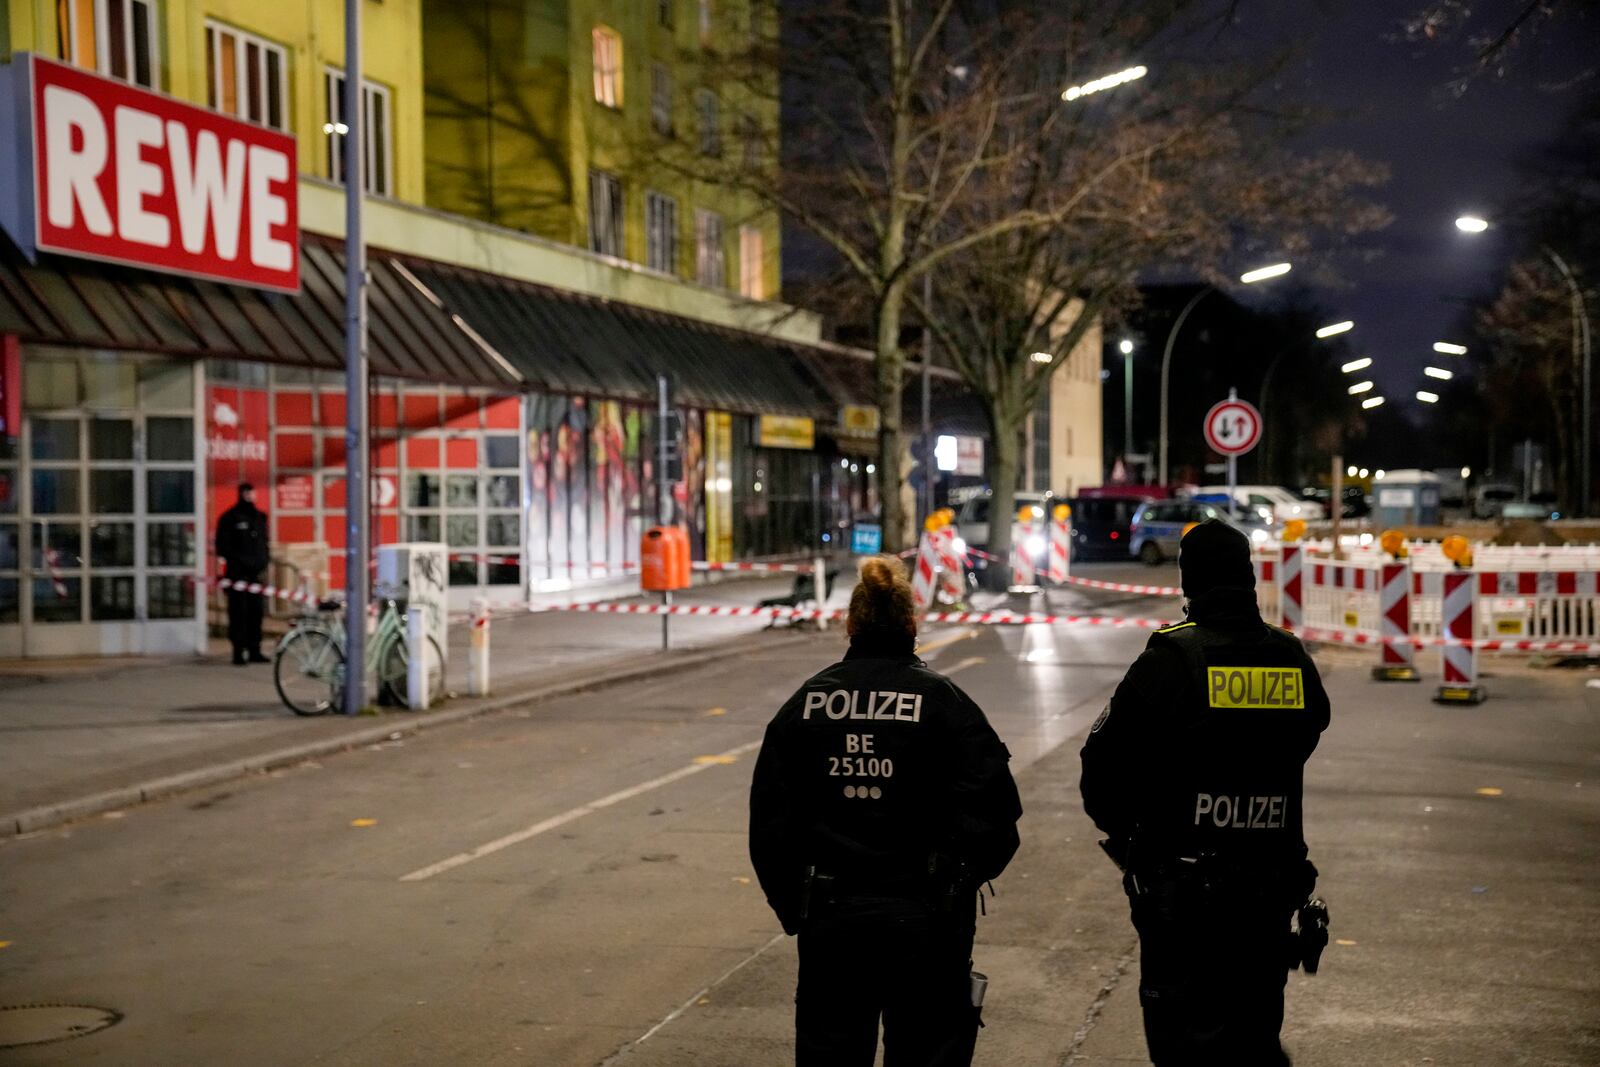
(170, 597)
(108, 385)
(170, 544)
(57, 600)
(55, 439)
(110, 438)
(169, 439)
(55, 492)
(111, 544)
(169, 492)
(111, 599)
(111, 492)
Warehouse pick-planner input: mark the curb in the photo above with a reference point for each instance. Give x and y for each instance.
(30, 820)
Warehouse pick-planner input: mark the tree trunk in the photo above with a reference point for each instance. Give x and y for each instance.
(890, 367)
(1003, 462)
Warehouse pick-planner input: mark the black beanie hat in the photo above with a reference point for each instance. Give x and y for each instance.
(1214, 554)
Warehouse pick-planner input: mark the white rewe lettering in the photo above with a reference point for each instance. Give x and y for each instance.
(75, 168)
(268, 209)
(209, 190)
(138, 178)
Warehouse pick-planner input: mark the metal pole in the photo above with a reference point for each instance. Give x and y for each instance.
(927, 395)
(1336, 501)
(1127, 410)
(663, 488)
(1233, 469)
(356, 592)
(1580, 354)
(1166, 362)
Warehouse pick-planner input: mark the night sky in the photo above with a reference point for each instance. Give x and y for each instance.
(1448, 153)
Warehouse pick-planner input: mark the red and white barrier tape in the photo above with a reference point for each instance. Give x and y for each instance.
(785, 568)
(1126, 587)
(270, 591)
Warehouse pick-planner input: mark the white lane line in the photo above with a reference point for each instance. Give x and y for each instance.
(970, 661)
(706, 763)
(692, 1001)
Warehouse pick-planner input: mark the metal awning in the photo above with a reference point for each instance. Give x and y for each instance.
(65, 301)
(573, 343)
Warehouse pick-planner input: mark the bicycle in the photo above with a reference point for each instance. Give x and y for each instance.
(308, 666)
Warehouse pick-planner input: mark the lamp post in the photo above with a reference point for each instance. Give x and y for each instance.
(1125, 346)
(1581, 355)
(1260, 274)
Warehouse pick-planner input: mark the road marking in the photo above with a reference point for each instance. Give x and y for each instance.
(934, 646)
(970, 661)
(579, 812)
(362, 823)
(5, 944)
(1490, 791)
(1343, 941)
(717, 711)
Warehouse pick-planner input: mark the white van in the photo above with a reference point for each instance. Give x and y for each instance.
(1273, 503)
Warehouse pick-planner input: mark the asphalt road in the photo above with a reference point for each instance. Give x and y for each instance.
(567, 884)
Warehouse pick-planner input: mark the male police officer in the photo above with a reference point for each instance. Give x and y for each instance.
(243, 547)
(881, 801)
(1194, 770)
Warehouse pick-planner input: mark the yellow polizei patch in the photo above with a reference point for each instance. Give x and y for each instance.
(1255, 687)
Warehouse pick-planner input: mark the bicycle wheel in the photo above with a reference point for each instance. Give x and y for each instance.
(394, 665)
(308, 670)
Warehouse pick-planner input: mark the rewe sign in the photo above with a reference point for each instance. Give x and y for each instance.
(110, 171)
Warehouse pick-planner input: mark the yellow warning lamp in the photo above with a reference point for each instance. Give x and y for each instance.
(1025, 513)
(934, 522)
(1186, 530)
(1062, 512)
(1457, 550)
(949, 515)
(1394, 543)
(1294, 530)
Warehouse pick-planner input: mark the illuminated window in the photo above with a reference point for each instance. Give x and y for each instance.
(752, 261)
(709, 267)
(246, 76)
(115, 37)
(607, 66)
(377, 115)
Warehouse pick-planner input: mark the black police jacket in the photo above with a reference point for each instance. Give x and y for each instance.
(1202, 748)
(242, 541)
(873, 768)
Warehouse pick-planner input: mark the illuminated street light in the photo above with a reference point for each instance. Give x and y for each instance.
(1360, 387)
(1445, 348)
(1471, 224)
(1125, 346)
(1427, 397)
(1110, 81)
(1356, 364)
(1372, 402)
(1363, 472)
(1466, 472)
(1439, 373)
(1041, 357)
(1261, 274)
(1336, 328)
(1350, 471)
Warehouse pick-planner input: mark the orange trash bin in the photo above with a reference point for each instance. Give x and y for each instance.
(664, 559)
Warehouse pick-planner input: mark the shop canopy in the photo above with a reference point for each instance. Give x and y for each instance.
(573, 343)
(62, 301)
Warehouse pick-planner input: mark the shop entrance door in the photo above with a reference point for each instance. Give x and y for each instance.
(98, 553)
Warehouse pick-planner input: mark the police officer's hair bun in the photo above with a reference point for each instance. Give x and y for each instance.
(881, 602)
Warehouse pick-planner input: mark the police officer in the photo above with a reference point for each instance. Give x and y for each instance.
(1194, 770)
(243, 547)
(881, 802)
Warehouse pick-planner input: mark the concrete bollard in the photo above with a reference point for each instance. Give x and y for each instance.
(416, 659)
(478, 653)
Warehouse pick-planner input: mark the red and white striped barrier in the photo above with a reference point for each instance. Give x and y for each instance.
(768, 568)
(1460, 659)
(1291, 588)
(1060, 551)
(952, 565)
(1022, 569)
(271, 592)
(986, 618)
(1398, 658)
(924, 572)
(1125, 587)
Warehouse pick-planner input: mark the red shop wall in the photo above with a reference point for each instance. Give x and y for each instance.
(237, 450)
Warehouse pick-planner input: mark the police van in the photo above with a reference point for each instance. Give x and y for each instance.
(1158, 527)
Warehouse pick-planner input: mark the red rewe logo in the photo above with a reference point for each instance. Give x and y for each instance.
(124, 174)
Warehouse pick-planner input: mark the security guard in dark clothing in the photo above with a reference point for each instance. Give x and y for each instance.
(881, 802)
(1194, 770)
(244, 549)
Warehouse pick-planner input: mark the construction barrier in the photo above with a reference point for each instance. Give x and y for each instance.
(1060, 550)
(1460, 655)
(1022, 569)
(952, 566)
(1397, 661)
(924, 574)
(1291, 587)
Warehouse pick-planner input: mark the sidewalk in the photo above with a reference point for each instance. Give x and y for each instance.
(88, 735)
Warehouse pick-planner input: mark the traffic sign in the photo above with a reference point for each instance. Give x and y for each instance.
(1233, 427)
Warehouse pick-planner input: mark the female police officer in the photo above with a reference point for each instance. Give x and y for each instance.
(881, 802)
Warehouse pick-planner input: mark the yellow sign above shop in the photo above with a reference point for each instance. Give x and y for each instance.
(786, 431)
(859, 420)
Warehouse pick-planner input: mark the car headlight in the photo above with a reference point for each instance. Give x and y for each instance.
(1258, 535)
(1035, 545)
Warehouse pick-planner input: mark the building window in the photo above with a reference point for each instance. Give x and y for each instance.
(376, 158)
(752, 260)
(115, 37)
(607, 66)
(708, 259)
(661, 99)
(605, 213)
(703, 20)
(246, 77)
(750, 141)
(665, 13)
(710, 131)
(661, 233)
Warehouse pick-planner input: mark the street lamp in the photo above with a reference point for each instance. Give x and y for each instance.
(1445, 348)
(1356, 364)
(1360, 387)
(1110, 81)
(1335, 329)
(1427, 397)
(1372, 402)
(1249, 278)
(1471, 224)
(1125, 346)
(1439, 373)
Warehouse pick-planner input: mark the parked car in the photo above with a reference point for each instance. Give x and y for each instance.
(972, 522)
(1490, 498)
(1158, 527)
(1355, 500)
(1102, 526)
(1273, 502)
